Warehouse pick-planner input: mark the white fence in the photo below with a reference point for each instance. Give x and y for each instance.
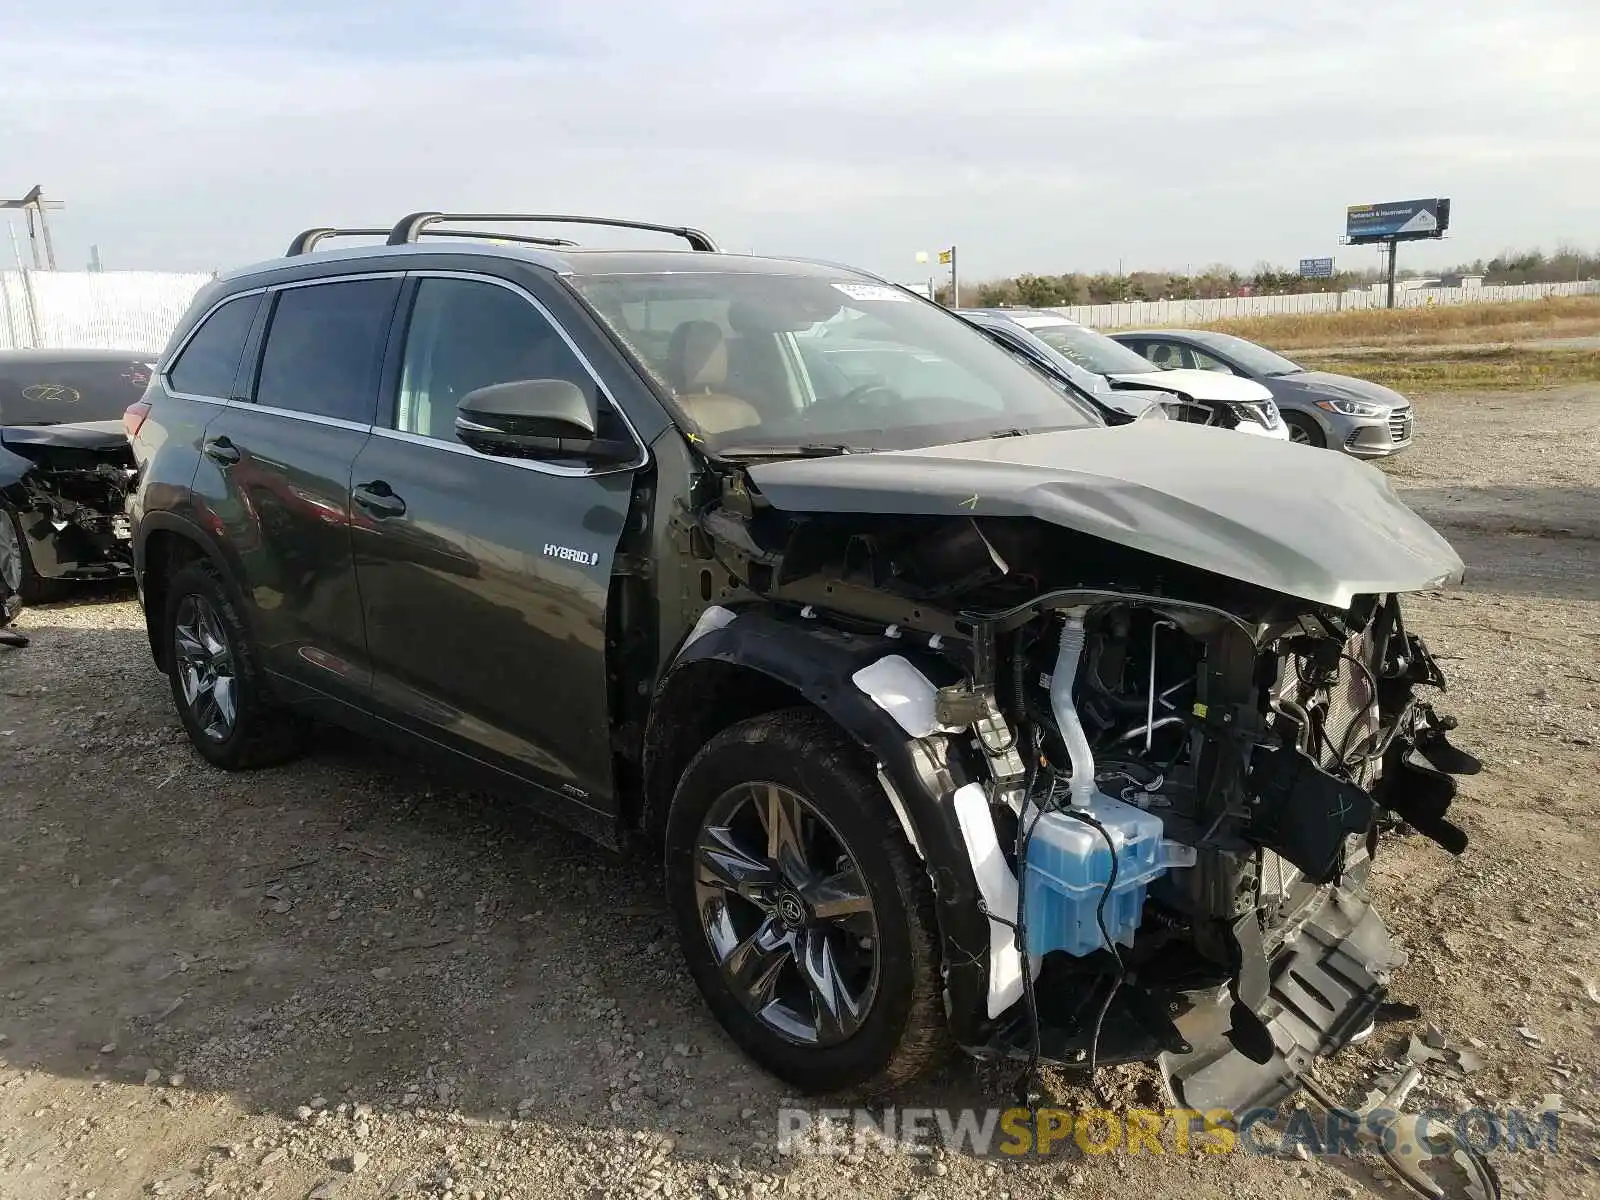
(136, 310)
(104, 310)
(1152, 314)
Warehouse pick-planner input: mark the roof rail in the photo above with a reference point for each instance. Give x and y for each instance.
(409, 228)
(307, 241)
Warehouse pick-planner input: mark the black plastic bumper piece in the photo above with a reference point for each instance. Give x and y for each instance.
(1327, 981)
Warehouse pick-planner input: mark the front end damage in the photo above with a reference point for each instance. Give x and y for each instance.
(1275, 739)
(68, 486)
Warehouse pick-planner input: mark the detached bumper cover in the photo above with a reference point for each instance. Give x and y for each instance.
(1321, 992)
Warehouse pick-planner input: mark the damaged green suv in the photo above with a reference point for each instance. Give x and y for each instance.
(956, 717)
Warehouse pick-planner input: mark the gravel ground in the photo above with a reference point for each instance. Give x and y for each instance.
(348, 978)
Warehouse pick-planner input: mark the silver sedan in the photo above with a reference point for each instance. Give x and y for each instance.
(1321, 409)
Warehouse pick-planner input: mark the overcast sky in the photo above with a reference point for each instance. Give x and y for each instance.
(1045, 137)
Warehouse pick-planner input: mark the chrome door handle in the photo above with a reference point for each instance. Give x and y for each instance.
(378, 498)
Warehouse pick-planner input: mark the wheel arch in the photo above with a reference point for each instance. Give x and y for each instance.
(736, 666)
(743, 665)
(1305, 414)
(165, 545)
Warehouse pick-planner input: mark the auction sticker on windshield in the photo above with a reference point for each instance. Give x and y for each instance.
(872, 291)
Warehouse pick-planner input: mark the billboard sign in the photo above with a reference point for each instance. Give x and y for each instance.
(1400, 219)
(1316, 268)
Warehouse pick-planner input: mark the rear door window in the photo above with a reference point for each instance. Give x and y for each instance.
(324, 348)
(208, 364)
(50, 391)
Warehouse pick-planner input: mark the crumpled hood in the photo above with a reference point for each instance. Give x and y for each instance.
(1325, 383)
(1201, 385)
(1294, 519)
(85, 435)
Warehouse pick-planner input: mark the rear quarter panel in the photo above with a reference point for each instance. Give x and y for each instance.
(166, 449)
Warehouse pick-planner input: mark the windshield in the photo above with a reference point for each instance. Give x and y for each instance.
(47, 390)
(757, 362)
(1256, 360)
(1090, 350)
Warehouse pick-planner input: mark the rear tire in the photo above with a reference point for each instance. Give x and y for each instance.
(888, 1027)
(1305, 431)
(217, 685)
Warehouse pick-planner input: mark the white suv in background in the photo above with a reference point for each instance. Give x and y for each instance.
(1216, 399)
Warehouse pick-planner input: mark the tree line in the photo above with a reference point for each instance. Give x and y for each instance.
(1219, 279)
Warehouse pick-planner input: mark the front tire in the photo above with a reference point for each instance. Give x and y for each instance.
(1304, 431)
(803, 915)
(216, 683)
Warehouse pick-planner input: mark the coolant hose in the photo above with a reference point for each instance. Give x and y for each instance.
(1061, 681)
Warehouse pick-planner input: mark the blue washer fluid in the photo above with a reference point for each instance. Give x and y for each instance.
(1068, 865)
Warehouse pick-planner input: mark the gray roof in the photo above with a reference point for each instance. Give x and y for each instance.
(568, 261)
(1204, 337)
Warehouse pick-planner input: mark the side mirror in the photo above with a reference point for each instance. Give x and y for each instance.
(535, 418)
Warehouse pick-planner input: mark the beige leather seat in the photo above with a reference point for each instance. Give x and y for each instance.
(697, 360)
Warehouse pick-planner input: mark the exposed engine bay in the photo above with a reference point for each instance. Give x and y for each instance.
(1263, 742)
(68, 486)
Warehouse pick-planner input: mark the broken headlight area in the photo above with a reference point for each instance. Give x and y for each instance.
(71, 508)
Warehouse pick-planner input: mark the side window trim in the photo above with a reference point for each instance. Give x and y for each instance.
(391, 372)
(165, 371)
(1233, 367)
(244, 379)
(256, 345)
(389, 400)
(1198, 355)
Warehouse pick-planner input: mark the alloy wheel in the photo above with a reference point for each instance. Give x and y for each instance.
(205, 667)
(786, 912)
(1299, 433)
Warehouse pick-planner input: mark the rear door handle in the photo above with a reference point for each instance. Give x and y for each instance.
(378, 498)
(221, 451)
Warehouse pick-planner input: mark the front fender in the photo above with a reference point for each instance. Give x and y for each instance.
(817, 663)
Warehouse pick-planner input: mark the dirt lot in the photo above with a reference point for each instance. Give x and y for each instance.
(1419, 325)
(349, 978)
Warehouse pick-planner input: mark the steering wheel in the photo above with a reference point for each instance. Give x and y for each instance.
(859, 395)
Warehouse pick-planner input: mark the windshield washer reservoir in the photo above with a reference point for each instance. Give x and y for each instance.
(1068, 867)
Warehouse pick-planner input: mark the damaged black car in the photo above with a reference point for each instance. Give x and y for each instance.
(66, 466)
(956, 717)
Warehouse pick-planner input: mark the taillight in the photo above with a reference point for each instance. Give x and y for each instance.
(133, 417)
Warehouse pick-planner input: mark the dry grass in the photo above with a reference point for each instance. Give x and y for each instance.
(1512, 321)
(1494, 368)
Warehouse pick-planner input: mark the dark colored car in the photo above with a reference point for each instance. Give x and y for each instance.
(65, 464)
(1322, 409)
(873, 650)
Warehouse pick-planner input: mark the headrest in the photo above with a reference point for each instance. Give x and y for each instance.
(698, 357)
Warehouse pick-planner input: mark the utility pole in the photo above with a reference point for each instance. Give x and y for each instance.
(33, 206)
